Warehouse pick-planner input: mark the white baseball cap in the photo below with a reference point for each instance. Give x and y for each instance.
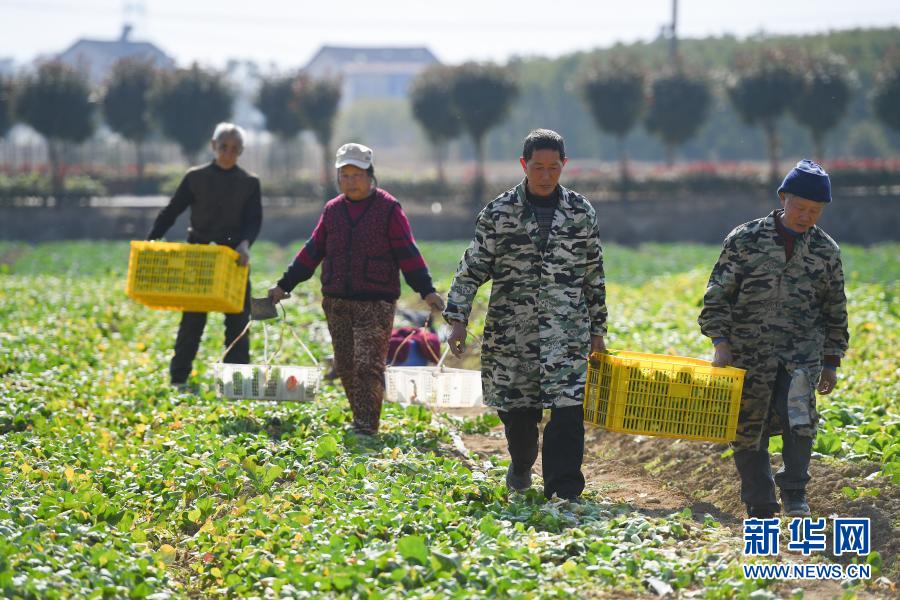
(353, 154)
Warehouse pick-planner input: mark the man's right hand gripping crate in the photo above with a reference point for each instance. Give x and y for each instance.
(186, 277)
(666, 396)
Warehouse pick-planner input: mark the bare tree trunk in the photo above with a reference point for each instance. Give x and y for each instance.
(295, 156)
(57, 174)
(327, 169)
(479, 159)
(623, 168)
(298, 154)
(288, 145)
(623, 160)
(439, 148)
(773, 145)
(140, 161)
(271, 160)
(818, 145)
(478, 183)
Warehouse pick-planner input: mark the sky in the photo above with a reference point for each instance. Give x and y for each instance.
(286, 33)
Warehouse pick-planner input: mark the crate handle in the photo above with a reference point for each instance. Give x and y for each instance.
(443, 356)
(302, 345)
(284, 324)
(235, 341)
(266, 360)
(447, 351)
(427, 346)
(403, 343)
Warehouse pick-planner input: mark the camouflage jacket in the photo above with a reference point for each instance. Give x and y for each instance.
(775, 313)
(543, 307)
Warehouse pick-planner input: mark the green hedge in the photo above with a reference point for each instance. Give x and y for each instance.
(697, 178)
(39, 185)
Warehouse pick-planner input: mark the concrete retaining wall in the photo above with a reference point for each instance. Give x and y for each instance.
(702, 219)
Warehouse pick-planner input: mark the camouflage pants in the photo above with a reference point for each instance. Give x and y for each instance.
(360, 332)
(757, 482)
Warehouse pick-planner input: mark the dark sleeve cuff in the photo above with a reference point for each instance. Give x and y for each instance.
(424, 292)
(286, 285)
(420, 282)
(453, 314)
(295, 275)
(718, 340)
(832, 362)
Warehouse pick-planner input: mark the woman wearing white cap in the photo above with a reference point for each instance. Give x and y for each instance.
(364, 240)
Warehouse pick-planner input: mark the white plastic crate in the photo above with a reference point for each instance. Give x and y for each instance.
(438, 387)
(283, 383)
(267, 382)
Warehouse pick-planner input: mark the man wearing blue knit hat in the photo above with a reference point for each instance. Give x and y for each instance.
(775, 306)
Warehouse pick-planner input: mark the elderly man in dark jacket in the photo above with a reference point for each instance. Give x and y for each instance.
(226, 208)
(775, 306)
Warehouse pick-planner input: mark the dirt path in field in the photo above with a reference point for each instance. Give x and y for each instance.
(837, 488)
(658, 477)
(616, 480)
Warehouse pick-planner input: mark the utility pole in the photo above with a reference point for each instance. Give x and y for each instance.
(673, 36)
(134, 18)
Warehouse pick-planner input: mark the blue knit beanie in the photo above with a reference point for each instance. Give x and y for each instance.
(807, 180)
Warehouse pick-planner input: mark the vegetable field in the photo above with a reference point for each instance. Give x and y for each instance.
(114, 485)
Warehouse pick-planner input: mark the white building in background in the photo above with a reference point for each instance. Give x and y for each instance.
(371, 72)
(97, 57)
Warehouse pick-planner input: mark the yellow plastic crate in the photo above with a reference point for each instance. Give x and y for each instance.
(186, 277)
(666, 396)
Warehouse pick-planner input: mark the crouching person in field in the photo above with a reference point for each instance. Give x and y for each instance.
(364, 239)
(775, 306)
(539, 243)
(225, 209)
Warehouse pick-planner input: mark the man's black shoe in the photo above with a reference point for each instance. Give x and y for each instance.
(794, 502)
(760, 512)
(517, 483)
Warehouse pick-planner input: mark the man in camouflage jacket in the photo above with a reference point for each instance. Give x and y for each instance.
(775, 306)
(539, 244)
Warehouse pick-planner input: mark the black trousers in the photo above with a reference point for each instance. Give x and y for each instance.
(561, 454)
(757, 482)
(190, 332)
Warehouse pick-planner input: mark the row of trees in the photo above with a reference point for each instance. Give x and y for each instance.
(672, 103)
(550, 97)
(57, 101)
(474, 98)
(886, 99)
(814, 89)
(294, 103)
(138, 101)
